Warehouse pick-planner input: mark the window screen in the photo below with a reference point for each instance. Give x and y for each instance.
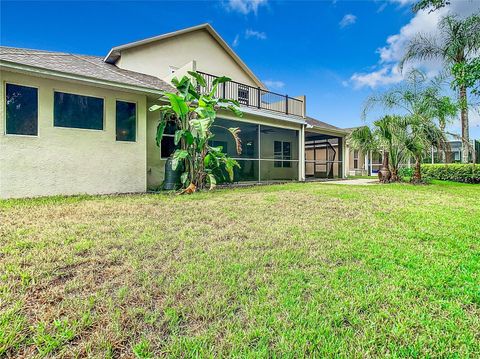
(126, 121)
(282, 152)
(167, 145)
(76, 111)
(21, 110)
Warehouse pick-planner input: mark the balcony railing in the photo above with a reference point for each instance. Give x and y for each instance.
(255, 97)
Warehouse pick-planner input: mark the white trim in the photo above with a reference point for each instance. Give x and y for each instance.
(273, 115)
(39, 71)
(326, 131)
(301, 168)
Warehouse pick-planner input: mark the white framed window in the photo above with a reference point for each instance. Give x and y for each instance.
(355, 159)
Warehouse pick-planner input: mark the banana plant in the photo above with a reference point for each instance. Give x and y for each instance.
(193, 109)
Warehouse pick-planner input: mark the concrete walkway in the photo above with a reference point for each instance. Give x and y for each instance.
(356, 181)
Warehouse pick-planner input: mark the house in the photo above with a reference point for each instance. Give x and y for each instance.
(75, 124)
(367, 164)
(453, 154)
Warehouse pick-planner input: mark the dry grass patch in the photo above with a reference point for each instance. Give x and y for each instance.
(286, 270)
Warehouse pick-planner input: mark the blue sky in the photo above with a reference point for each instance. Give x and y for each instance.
(335, 52)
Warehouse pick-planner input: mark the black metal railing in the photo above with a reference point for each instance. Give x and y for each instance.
(255, 97)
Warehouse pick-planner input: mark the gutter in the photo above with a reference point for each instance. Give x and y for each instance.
(276, 116)
(64, 75)
(328, 130)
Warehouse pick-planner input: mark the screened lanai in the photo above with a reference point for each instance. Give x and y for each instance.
(323, 156)
(268, 153)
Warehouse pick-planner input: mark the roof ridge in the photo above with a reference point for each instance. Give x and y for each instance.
(39, 51)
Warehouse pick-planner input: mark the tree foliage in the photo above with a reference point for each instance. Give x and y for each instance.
(467, 74)
(193, 110)
(424, 111)
(457, 44)
(386, 136)
(431, 5)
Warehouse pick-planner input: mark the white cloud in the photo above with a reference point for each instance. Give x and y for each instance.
(256, 34)
(386, 75)
(382, 7)
(402, 2)
(386, 71)
(474, 117)
(249, 33)
(347, 20)
(273, 84)
(244, 6)
(236, 41)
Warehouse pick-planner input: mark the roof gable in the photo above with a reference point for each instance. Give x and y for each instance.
(115, 53)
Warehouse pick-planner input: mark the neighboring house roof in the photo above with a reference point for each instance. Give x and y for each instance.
(323, 125)
(92, 67)
(350, 129)
(115, 53)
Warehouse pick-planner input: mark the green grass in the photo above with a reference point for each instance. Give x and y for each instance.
(286, 270)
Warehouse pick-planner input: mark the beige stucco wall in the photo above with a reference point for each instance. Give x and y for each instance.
(351, 169)
(155, 164)
(156, 57)
(66, 160)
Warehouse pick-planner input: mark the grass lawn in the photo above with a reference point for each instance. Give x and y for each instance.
(285, 270)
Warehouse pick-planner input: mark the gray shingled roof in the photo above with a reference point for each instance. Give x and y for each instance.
(86, 66)
(316, 123)
(350, 129)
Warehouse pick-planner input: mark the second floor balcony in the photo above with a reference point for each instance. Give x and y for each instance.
(256, 97)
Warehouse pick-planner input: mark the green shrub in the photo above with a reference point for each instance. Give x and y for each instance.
(466, 173)
(405, 172)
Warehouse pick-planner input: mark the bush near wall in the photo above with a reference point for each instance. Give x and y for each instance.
(466, 173)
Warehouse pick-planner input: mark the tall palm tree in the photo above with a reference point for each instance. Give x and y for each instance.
(442, 108)
(459, 40)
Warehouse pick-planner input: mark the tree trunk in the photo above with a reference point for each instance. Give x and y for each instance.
(385, 173)
(464, 120)
(444, 150)
(417, 173)
(394, 177)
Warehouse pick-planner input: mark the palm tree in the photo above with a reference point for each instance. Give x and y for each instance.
(416, 131)
(442, 108)
(386, 136)
(459, 40)
(420, 136)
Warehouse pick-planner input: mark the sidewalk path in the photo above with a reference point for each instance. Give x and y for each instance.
(356, 181)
